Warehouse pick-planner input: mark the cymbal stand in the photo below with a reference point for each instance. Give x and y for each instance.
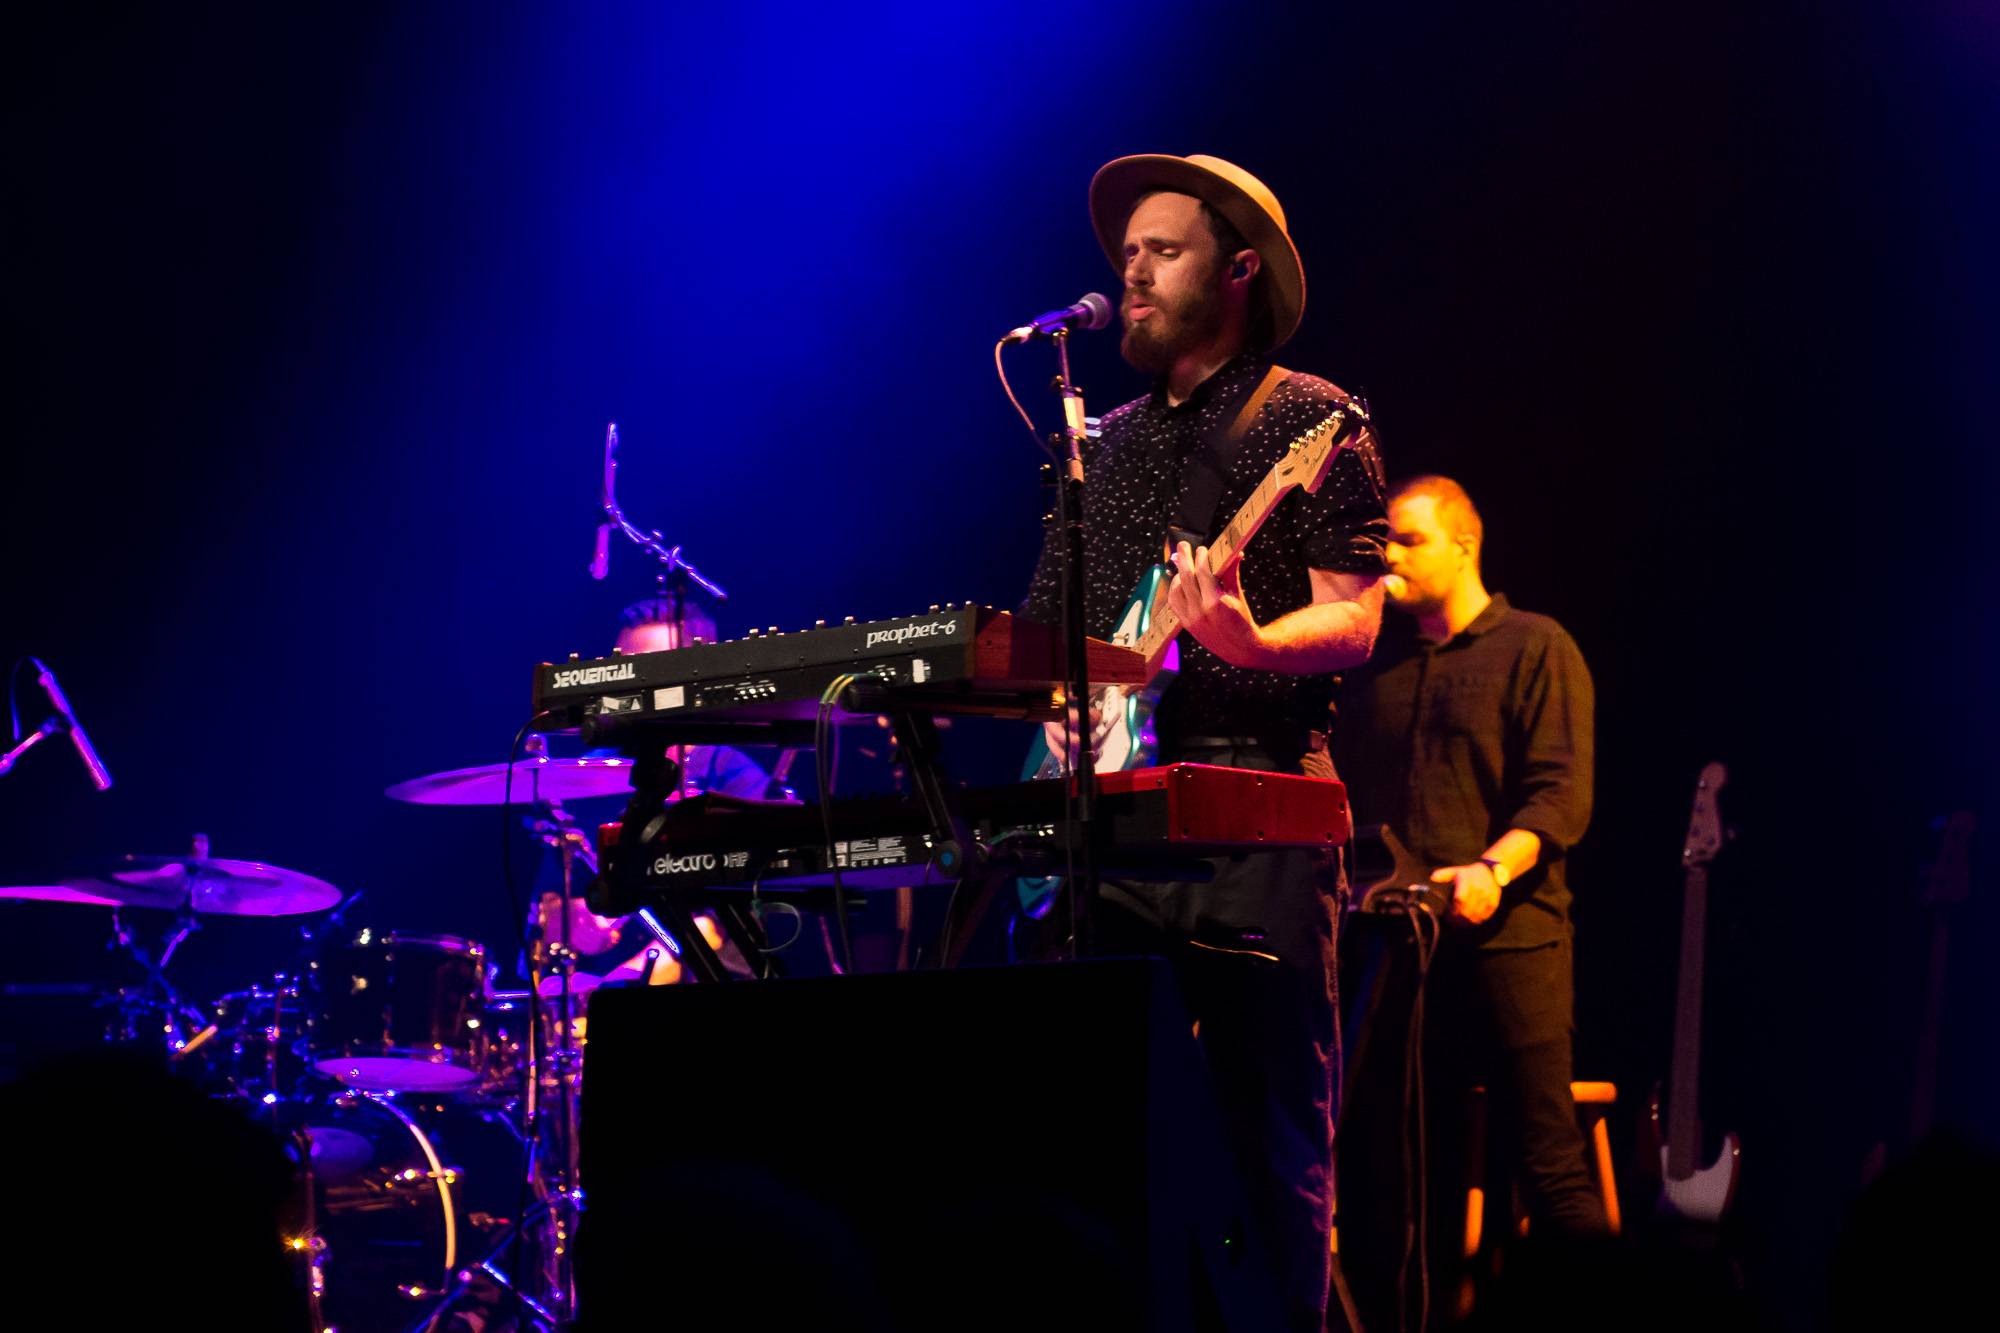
(535, 1312)
(565, 1201)
(159, 990)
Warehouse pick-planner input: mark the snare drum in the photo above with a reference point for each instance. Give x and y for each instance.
(401, 1013)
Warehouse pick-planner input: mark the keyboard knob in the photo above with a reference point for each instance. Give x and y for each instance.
(848, 621)
(576, 657)
(934, 608)
(819, 624)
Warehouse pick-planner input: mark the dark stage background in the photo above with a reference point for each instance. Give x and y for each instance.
(316, 321)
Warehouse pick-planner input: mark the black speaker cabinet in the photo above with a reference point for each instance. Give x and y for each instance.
(1022, 1148)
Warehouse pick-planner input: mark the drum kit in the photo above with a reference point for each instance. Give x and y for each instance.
(432, 1117)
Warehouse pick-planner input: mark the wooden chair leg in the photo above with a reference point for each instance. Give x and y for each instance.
(1594, 1101)
(1600, 1138)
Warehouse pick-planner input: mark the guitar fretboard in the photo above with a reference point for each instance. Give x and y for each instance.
(1227, 548)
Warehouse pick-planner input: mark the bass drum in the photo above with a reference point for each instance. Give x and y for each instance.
(396, 1198)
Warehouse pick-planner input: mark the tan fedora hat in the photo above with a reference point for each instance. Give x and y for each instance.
(1246, 201)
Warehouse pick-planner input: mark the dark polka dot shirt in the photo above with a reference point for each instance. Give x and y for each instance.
(1133, 490)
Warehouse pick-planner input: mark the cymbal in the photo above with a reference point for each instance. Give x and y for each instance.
(56, 893)
(538, 777)
(209, 885)
(580, 983)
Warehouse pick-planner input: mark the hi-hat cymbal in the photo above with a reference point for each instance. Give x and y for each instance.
(209, 885)
(538, 777)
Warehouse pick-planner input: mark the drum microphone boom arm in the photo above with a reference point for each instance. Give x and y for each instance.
(650, 542)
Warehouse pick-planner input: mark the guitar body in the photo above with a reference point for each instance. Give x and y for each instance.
(1693, 1192)
(1125, 732)
(1705, 1194)
(1125, 727)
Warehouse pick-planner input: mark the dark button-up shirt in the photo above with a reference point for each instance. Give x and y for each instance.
(1133, 489)
(1452, 744)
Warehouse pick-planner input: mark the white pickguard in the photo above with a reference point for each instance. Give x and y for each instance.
(1704, 1196)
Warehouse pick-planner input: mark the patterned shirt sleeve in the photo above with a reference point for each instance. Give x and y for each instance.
(1344, 526)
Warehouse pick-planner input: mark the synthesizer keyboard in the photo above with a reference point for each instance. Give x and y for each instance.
(950, 659)
(1148, 817)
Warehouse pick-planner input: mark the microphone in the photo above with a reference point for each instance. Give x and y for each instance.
(600, 560)
(1092, 312)
(99, 775)
(607, 498)
(1395, 585)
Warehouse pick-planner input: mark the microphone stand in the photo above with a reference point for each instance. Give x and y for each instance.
(649, 542)
(1082, 778)
(41, 733)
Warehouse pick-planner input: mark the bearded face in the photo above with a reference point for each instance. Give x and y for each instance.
(1173, 282)
(1174, 327)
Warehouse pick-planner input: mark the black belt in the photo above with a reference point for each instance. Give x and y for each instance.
(1282, 743)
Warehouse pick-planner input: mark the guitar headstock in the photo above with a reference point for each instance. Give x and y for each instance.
(1948, 879)
(1309, 458)
(1704, 836)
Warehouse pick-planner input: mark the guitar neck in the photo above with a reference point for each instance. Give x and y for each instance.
(1683, 1110)
(1223, 553)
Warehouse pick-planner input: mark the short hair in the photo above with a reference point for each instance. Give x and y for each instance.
(1456, 511)
(1260, 330)
(666, 611)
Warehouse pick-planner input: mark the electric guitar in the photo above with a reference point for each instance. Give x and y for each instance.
(1123, 732)
(1688, 1189)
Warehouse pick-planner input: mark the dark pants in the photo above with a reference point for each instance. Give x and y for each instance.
(1497, 1018)
(1254, 954)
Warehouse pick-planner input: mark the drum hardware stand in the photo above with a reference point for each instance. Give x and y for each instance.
(655, 778)
(308, 1244)
(563, 1203)
(488, 1266)
(675, 572)
(157, 985)
(649, 542)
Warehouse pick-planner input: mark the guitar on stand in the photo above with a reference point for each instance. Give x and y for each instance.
(1689, 1190)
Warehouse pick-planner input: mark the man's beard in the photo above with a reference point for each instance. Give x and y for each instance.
(1153, 346)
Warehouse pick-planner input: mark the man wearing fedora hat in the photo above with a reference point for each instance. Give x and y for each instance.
(1213, 285)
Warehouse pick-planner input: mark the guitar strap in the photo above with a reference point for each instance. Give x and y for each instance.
(1206, 471)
